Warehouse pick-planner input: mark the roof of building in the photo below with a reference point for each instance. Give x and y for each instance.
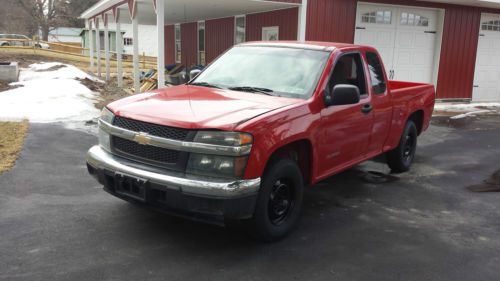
(66, 31)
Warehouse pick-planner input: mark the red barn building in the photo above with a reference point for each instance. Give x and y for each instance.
(452, 44)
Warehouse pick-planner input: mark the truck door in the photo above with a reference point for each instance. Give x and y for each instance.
(346, 128)
(381, 102)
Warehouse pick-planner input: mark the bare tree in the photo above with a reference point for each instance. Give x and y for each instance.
(46, 14)
(32, 17)
(13, 19)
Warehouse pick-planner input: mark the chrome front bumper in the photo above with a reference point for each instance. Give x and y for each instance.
(102, 160)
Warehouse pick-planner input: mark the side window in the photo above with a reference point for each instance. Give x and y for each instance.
(376, 73)
(349, 70)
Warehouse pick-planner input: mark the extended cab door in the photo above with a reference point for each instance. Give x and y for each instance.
(381, 101)
(346, 128)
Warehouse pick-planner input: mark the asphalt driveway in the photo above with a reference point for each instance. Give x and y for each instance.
(56, 223)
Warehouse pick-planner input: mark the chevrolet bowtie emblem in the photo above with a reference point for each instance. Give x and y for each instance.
(142, 138)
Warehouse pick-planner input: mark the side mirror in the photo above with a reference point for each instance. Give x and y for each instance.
(342, 94)
(193, 73)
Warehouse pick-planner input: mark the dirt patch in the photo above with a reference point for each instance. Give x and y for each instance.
(108, 92)
(491, 184)
(53, 68)
(26, 60)
(4, 86)
(12, 136)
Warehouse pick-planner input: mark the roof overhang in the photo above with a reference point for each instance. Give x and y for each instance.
(186, 10)
(493, 4)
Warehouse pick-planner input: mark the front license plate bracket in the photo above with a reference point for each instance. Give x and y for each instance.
(131, 186)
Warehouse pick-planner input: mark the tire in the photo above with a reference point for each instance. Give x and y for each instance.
(5, 44)
(401, 158)
(38, 46)
(279, 202)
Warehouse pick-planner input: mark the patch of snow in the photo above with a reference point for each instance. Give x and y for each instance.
(470, 114)
(39, 71)
(49, 96)
(466, 107)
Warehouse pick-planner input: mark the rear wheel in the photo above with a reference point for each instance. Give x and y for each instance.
(279, 201)
(5, 44)
(401, 158)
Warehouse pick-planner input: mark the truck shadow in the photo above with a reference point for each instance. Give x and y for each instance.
(328, 197)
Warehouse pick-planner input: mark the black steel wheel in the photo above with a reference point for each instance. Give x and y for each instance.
(401, 158)
(279, 202)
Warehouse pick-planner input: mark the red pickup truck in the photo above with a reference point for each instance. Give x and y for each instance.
(243, 138)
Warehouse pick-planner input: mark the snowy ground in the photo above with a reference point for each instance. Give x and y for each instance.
(467, 109)
(49, 93)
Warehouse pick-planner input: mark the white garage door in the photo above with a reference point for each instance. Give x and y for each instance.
(487, 75)
(405, 37)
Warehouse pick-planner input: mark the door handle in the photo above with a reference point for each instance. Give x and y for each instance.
(367, 108)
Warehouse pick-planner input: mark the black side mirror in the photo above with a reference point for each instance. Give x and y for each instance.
(342, 94)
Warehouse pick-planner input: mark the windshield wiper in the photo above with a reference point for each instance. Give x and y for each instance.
(205, 84)
(263, 91)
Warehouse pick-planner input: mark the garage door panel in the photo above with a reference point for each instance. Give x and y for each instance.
(404, 44)
(487, 74)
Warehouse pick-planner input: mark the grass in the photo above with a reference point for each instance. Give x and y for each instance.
(12, 136)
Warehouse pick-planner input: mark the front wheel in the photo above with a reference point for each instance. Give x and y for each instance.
(279, 201)
(401, 158)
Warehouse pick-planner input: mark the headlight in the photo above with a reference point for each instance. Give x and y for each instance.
(104, 138)
(107, 116)
(214, 165)
(223, 138)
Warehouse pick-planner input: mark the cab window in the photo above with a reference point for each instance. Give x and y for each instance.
(349, 70)
(376, 73)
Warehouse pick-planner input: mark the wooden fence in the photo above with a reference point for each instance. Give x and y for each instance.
(73, 53)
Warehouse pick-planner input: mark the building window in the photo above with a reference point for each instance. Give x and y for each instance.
(380, 17)
(178, 54)
(201, 43)
(271, 33)
(239, 29)
(413, 20)
(493, 25)
(128, 41)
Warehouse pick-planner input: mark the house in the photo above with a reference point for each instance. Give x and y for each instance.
(147, 36)
(65, 35)
(452, 44)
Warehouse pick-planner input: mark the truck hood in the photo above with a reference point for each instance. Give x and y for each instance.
(194, 107)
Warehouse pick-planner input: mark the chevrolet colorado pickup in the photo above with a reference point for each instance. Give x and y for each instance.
(242, 139)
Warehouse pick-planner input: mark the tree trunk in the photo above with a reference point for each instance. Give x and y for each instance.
(45, 32)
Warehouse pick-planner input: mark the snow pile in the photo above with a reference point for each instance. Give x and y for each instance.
(467, 107)
(49, 95)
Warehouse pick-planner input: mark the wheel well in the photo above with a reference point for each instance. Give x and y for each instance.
(418, 118)
(301, 152)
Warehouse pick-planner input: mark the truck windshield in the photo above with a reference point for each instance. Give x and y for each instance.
(276, 71)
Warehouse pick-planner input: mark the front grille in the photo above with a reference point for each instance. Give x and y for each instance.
(145, 153)
(152, 129)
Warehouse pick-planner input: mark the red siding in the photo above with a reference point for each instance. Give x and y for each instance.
(458, 52)
(169, 44)
(331, 20)
(189, 43)
(219, 36)
(286, 19)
